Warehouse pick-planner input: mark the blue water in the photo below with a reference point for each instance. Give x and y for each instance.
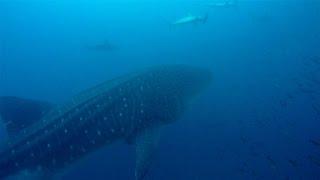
(252, 123)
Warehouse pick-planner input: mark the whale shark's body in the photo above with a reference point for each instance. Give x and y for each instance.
(191, 19)
(130, 108)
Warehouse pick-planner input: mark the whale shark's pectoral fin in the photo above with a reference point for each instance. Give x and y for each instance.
(146, 144)
(18, 113)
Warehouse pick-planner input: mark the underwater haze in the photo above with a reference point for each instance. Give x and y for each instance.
(259, 117)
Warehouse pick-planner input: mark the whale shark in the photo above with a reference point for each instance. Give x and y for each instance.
(46, 138)
(191, 19)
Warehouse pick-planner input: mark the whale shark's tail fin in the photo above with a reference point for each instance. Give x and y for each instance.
(18, 113)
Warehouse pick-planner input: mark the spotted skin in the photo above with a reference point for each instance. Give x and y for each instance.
(115, 110)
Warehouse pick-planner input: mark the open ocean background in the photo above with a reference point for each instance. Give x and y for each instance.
(259, 119)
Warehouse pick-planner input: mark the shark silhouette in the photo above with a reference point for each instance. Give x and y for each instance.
(190, 19)
(47, 138)
(105, 46)
(224, 4)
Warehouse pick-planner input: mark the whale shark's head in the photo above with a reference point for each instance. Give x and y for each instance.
(182, 81)
(173, 88)
(190, 80)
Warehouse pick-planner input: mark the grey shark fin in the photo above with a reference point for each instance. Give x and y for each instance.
(18, 113)
(146, 144)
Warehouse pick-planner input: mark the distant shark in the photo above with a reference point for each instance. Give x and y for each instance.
(46, 138)
(191, 19)
(224, 4)
(105, 46)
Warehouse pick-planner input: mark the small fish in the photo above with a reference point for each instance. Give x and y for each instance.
(272, 162)
(254, 154)
(283, 103)
(315, 60)
(314, 160)
(290, 96)
(299, 84)
(254, 173)
(244, 140)
(293, 163)
(315, 142)
(307, 90)
(242, 170)
(316, 108)
(315, 79)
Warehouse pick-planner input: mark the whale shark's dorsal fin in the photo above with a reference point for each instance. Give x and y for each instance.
(18, 113)
(146, 144)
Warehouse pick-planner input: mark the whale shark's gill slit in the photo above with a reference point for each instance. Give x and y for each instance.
(18, 113)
